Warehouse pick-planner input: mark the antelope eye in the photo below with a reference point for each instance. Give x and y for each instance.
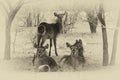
(39, 55)
(39, 51)
(43, 49)
(71, 47)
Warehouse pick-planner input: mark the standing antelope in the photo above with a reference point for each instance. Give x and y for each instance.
(50, 31)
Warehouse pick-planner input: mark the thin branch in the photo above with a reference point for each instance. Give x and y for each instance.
(112, 28)
(16, 9)
(9, 5)
(19, 5)
(4, 7)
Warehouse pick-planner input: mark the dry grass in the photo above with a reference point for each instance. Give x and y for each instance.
(22, 59)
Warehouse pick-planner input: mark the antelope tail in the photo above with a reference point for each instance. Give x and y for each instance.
(42, 30)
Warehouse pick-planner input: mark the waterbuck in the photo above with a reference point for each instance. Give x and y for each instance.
(76, 57)
(44, 62)
(50, 31)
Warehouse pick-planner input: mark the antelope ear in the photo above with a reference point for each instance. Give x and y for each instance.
(80, 41)
(35, 45)
(55, 14)
(77, 41)
(67, 44)
(65, 12)
(46, 46)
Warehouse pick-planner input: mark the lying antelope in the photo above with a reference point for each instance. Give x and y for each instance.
(43, 61)
(76, 57)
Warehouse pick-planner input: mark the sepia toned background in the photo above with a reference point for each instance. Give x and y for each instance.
(94, 69)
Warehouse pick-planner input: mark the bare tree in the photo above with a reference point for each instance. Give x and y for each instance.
(70, 20)
(29, 20)
(115, 41)
(10, 15)
(92, 20)
(101, 17)
(37, 17)
(14, 47)
(15, 39)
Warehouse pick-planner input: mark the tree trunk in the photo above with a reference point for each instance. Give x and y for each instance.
(92, 27)
(93, 22)
(11, 13)
(105, 47)
(14, 47)
(101, 17)
(38, 19)
(7, 55)
(115, 42)
(114, 49)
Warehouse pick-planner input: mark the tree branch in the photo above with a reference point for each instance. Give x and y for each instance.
(4, 7)
(15, 10)
(9, 5)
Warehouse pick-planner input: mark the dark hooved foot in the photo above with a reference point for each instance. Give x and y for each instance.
(56, 54)
(49, 54)
(33, 62)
